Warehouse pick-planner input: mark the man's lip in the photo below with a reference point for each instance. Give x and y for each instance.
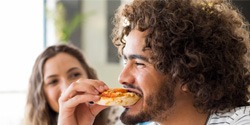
(136, 91)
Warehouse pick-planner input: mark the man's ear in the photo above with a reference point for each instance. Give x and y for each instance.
(184, 88)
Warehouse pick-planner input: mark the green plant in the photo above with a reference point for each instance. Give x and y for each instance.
(63, 28)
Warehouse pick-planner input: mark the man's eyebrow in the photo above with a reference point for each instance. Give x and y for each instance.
(134, 56)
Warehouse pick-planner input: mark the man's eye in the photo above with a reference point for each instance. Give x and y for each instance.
(140, 64)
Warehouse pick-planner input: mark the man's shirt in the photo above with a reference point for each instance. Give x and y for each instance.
(236, 116)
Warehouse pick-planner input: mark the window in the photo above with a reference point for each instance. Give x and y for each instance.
(21, 42)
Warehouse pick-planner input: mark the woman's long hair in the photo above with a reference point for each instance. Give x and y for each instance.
(38, 110)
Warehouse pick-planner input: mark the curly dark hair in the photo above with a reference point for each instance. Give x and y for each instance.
(203, 44)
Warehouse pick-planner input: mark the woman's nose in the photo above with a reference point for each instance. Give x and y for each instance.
(64, 85)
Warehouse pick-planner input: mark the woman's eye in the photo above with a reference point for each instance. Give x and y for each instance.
(75, 75)
(52, 82)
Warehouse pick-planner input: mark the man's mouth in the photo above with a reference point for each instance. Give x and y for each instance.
(136, 91)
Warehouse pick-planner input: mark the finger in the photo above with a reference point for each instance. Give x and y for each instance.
(94, 85)
(96, 109)
(69, 92)
(80, 98)
(100, 85)
(86, 86)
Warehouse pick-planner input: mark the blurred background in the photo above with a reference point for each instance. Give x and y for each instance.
(28, 26)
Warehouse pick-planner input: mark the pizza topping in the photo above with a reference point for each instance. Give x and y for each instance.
(111, 93)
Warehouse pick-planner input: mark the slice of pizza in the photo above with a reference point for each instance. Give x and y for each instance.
(118, 97)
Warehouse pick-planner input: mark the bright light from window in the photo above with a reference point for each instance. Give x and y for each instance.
(21, 41)
(21, 28)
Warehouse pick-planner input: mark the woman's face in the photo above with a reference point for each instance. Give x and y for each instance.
(59, 72)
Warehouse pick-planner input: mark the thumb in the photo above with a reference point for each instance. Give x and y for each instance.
(96, 109)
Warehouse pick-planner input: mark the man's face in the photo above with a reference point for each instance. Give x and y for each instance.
(139, 74)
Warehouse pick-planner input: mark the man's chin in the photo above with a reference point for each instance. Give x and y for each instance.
(130, 119)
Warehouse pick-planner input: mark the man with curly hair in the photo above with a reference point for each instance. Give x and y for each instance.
(188, 59)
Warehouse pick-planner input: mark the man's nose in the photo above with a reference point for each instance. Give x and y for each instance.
(126, 76)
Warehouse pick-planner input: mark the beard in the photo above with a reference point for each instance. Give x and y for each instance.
(158, 106)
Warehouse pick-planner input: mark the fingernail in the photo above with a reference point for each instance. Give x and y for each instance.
(106, 87)
(101, 88)
(96, 92)
(97, 96)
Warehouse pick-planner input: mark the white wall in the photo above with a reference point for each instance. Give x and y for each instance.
(94, 42)
(21, 42)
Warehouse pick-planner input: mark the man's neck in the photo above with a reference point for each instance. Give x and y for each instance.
(183, 111)
(188, 115)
